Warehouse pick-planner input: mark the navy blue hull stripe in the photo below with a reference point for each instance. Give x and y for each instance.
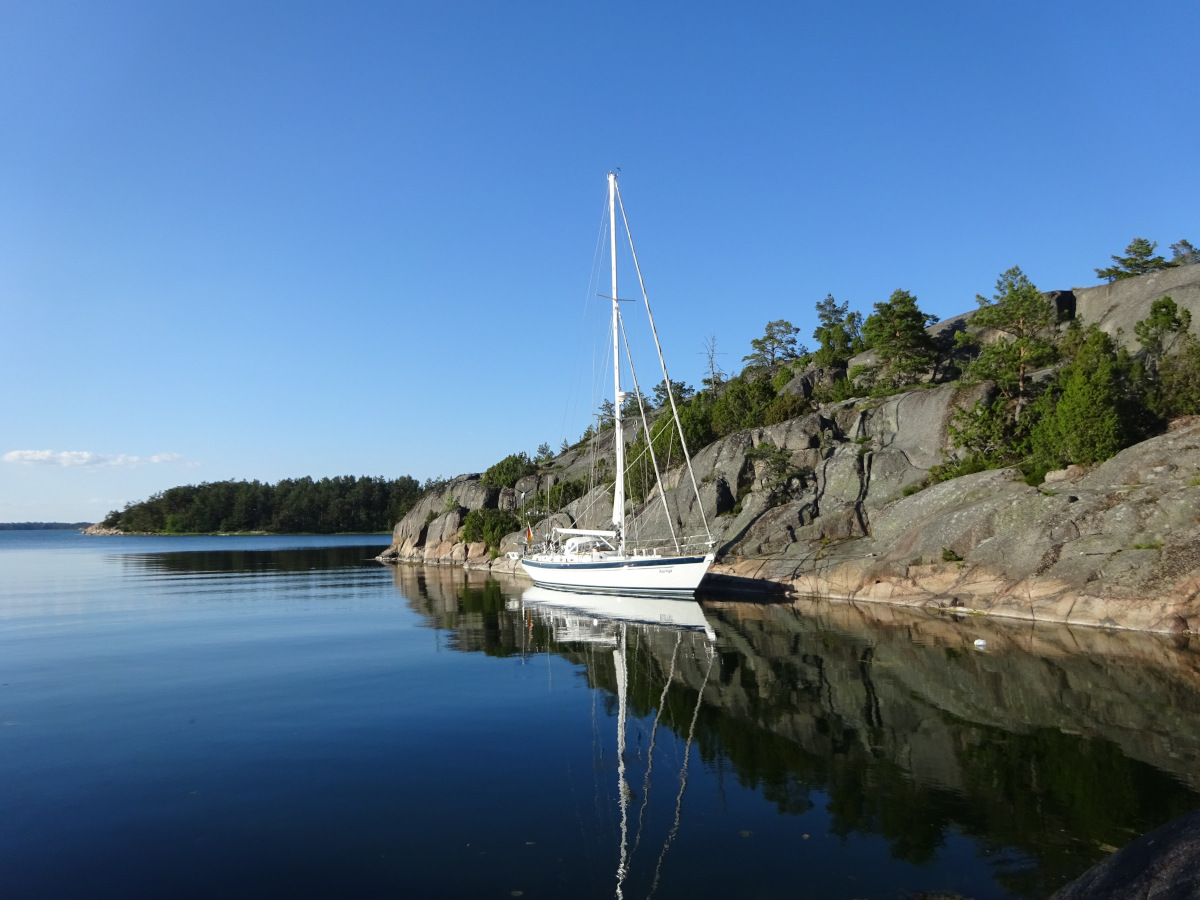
(625, 564)
(621, 592)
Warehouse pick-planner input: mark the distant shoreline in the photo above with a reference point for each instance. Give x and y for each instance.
(44, 526)
(114, 532)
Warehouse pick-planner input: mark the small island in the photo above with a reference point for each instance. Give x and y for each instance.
(342, 505)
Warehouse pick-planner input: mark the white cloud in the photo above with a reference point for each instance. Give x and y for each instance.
(86, 459)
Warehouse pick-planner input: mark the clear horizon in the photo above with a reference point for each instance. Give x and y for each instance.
(281, 240)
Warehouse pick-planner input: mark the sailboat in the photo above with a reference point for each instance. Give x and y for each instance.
(607, 560)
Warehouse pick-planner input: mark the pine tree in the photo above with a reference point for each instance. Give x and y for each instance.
(682, 392)
(1156, 332)
(1027, 321)
(896, 332)
(1179, 381)
(1184, 254)
(605, 413)
(1140, 260)
(839, 334)
(778, 344)
(1087, 417)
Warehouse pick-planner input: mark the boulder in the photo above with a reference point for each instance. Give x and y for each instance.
(466, 492)
(795, 435)
(724, 459)
(1117, 307)
(915, 423)
(1064, 302)
(803, 383)
(101, 530)
(592, 510)
(1163, 864)
(437, 552)
(649, 525)
(1121, 549)
(445, 527)
(839, 477)
(779, 529)
(511, 542)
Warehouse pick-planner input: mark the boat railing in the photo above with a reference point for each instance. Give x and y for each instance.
(693, 545)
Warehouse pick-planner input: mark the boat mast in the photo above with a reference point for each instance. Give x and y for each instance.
(618, 399)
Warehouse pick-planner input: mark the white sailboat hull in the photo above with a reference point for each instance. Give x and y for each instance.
(664, 575)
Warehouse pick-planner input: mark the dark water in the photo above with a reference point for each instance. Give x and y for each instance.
(228, 717)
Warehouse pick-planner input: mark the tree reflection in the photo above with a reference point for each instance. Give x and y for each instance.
(1048, 752)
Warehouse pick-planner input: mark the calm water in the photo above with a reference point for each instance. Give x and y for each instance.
(282, 716)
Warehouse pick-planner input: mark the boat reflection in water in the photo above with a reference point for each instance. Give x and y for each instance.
(607, 620)
(574, 616)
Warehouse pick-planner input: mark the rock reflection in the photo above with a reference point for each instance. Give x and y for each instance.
(1056, 743)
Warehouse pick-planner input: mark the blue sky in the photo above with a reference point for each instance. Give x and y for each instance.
(266, 240)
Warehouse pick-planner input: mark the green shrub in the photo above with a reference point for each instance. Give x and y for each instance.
(509, 470)
(785, 407)
(1035, 473)
(778, 461)
(976, 462)
(842, 389)
(782, 377)
(695, 416)
(1089, 413)
(1179, 382)
(743, 404)
(566, 492)
(489, 526)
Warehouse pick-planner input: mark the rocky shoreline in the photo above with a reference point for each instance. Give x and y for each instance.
(1115, 547)
(101, 530)
(854, 515)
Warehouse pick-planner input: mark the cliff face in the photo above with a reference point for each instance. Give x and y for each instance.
(839, 511)
(1117, 307)
(1118, 546)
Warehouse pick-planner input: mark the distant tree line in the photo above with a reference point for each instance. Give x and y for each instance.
(42, 526)
(293, 505)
